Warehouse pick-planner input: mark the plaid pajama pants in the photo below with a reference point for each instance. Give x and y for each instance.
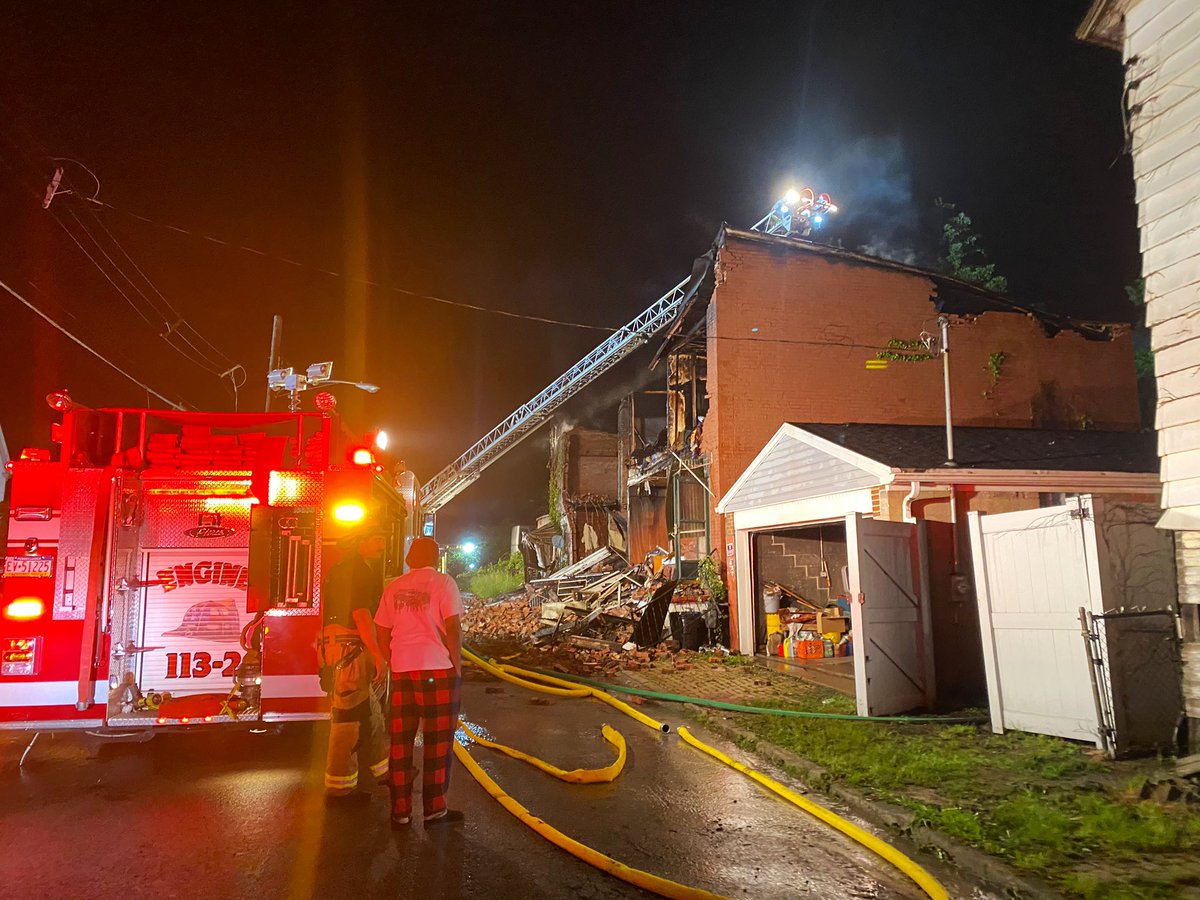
(432, 696)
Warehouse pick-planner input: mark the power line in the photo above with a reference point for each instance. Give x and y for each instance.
(175, 325)
(197, 359)
(89, 349)
(501, 312)
(365, 281)
(88, 254)
(157, 312)
(179, 318)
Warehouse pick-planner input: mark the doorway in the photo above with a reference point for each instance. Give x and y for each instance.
(859, 584)
(806, 568)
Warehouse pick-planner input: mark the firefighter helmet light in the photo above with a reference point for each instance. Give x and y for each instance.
(797, 213)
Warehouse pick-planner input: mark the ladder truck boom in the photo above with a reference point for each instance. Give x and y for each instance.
(530, 416)
(796, 213)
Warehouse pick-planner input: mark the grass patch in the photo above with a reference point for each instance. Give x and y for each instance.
(501, 577)
(1046, 806)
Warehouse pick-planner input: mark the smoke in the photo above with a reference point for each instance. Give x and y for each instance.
(596, 407)
(871, 182)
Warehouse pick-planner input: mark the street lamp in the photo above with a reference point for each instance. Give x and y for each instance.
(317, 374)
(468, 547)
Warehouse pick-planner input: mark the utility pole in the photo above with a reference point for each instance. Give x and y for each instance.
(276, 335)
(944, 322)
(52, 187)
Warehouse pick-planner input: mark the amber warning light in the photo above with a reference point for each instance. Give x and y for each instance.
(24, 609)
(365, 459)
(349, 512)
(19, 656)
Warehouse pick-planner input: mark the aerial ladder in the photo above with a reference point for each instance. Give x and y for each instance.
(795, 213)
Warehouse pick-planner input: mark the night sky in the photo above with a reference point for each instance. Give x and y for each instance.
(559, 159)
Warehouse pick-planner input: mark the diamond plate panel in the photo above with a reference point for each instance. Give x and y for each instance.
(302, 489)
(124, 616)
(79, 539)
(169, 518)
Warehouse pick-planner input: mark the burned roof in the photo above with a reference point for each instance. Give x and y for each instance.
(949, 295)
(923, 447)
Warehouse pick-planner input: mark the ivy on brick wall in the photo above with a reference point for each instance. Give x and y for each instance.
(900, 350)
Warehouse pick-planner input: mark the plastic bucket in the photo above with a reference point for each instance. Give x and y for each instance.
(773, 624)
(771, 600)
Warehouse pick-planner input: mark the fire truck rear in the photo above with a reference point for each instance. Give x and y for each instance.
(166, 568)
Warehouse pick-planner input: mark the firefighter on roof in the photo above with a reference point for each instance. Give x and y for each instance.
(350, 662)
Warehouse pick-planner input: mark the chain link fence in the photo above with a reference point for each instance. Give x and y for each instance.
(1135, 665)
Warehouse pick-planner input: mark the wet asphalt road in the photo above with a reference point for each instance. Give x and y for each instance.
(216, 815)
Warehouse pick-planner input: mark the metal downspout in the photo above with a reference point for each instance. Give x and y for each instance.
(914, 494)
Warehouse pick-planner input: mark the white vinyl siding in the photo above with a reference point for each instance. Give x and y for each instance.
(794, 470)
(1162, 51)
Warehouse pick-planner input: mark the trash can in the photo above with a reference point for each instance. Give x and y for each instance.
(689, 629)
(695, 631)
(772, 597)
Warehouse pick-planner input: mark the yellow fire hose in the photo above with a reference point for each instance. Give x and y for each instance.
(524, 678)
(924, 880)
(644, 880)
(600, 695)
(492, 669)
(575, 776)
(527, 679)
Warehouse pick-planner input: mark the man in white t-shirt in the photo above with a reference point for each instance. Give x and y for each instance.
(420, 633)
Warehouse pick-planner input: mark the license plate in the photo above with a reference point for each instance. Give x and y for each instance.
(38, 566)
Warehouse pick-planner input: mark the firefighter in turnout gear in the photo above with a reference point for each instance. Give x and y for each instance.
(351, 665)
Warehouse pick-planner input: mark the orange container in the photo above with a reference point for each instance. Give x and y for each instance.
(812, 649)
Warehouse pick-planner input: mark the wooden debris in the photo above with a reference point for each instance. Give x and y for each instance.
(579, 621)
(1188, 765)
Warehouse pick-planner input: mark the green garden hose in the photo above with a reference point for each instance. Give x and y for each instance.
(762, 711)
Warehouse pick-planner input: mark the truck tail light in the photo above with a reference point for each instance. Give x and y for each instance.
(20, 656)
(363, 457)
(59, 401)
(25, 609)
(349, 512)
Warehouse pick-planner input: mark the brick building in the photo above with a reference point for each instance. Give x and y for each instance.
(585, 490)
(782, 330)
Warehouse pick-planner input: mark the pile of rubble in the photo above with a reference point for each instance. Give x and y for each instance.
(597, 616)
(507, 616)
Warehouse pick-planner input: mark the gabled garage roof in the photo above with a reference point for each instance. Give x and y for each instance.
(915, 447)
(808, 460)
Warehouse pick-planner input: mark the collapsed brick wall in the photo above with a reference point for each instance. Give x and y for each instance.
(789, 333)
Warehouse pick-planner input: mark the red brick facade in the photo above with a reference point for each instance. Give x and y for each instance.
(790, 330)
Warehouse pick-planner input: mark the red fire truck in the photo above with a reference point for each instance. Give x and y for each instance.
(165, 569)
